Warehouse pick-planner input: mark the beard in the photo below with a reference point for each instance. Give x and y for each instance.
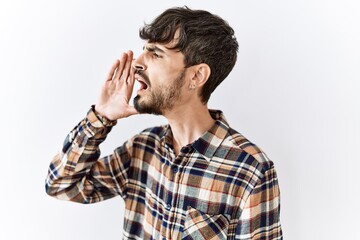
(160, 99)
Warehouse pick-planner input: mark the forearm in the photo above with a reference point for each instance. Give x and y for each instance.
(68, 176)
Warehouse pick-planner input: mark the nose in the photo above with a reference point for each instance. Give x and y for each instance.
(138, 63)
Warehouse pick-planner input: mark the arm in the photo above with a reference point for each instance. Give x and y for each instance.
(77, 173)
(260, 218)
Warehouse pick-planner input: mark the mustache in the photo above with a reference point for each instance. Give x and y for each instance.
(143, 75)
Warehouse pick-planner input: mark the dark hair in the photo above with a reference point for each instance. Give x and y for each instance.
(203, 38)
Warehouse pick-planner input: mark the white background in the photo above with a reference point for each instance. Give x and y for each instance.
(294, 92)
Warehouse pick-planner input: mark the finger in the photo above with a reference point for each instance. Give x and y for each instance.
(131, 78)
(112, 70)
(119, 70)
(130, 82)
(127, 67)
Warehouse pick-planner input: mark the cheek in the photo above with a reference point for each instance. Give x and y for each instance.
(163, 75)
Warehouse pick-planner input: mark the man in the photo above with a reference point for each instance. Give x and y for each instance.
(195, 178)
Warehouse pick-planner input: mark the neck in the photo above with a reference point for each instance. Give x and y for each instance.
(188, 123)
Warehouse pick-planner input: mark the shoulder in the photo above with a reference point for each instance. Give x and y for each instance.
(235, 149)
(246, 151)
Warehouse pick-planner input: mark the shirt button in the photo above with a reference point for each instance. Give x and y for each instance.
(168, 206)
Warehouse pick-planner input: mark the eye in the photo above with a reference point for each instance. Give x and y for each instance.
(155, 55)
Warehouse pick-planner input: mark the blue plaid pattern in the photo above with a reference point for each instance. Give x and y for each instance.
(221, 186)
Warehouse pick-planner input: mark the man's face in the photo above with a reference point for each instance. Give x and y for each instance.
(161, 74)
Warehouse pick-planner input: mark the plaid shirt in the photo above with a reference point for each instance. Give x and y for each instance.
(221, 186)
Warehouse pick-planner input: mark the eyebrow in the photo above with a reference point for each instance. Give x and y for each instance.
(153, 49)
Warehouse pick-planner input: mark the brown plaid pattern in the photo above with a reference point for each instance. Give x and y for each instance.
(221, 186)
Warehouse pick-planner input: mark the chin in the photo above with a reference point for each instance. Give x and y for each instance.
(145, 107)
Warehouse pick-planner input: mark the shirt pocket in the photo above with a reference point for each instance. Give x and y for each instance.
(199, 225)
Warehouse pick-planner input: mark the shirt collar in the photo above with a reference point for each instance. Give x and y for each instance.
(210, 141)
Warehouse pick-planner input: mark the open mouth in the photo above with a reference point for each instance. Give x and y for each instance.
(143, 84)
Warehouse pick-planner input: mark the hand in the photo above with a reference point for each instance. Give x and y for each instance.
(116, 91)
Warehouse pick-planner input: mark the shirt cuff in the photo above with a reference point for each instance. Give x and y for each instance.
(98, 121)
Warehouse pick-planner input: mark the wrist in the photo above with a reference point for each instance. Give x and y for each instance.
(104, 120)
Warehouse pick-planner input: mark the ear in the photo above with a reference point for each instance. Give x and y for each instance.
(201, 74)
